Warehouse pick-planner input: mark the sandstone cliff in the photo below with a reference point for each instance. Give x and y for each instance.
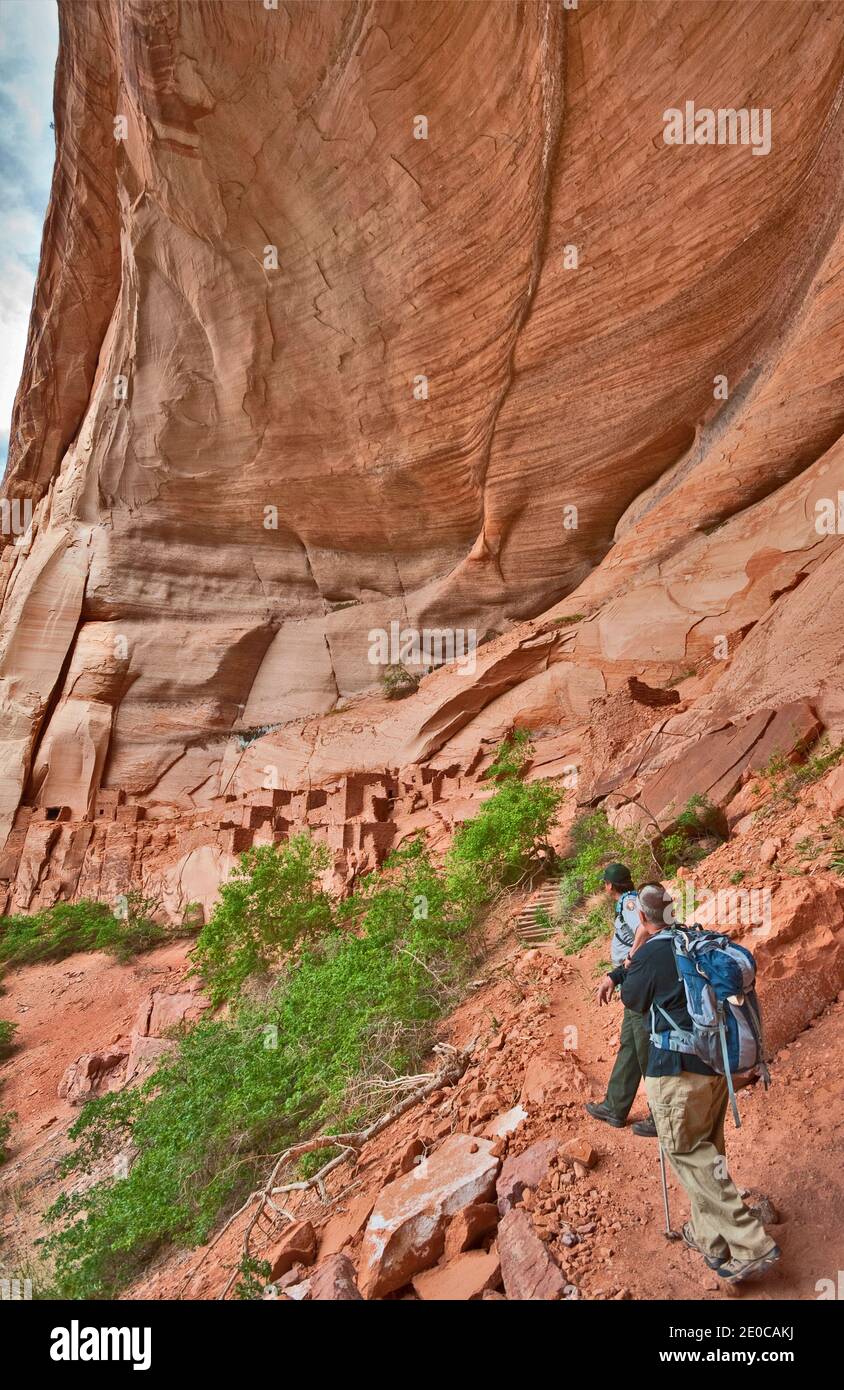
(252, 260)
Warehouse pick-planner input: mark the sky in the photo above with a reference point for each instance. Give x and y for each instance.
(29, 36)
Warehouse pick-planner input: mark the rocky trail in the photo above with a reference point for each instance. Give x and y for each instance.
(599, 1215)
(518, 1192)
(398, 385)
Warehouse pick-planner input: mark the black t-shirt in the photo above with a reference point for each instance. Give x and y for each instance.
(652, 978)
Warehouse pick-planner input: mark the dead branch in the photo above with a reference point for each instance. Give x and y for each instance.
(424, 966)
(455, 1062)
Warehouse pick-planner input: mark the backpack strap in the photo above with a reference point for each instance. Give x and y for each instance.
(756, 1025)
(728, 1076)
(674, 1040)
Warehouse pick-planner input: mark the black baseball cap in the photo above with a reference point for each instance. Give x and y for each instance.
(618, 875)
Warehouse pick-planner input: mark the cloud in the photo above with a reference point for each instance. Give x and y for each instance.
(28, 47)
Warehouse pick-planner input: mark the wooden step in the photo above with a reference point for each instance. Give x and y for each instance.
(529, 931)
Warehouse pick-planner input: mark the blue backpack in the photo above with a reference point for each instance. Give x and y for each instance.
(719, 979)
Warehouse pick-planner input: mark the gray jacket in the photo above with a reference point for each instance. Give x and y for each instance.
(624, 927)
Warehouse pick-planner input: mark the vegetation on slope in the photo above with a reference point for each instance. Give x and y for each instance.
(66, 928)
(7, 1046)
(582, 916)
(271, 901)
(786, 778)
(357, 990)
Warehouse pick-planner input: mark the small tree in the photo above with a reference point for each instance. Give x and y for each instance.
(272, 900)
(497, 846)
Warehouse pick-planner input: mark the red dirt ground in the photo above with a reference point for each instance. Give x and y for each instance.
(788, 1147)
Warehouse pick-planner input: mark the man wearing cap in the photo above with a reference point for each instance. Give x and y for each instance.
(632, 1058)
(689, 1100)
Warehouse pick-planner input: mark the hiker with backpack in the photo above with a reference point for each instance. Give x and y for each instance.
(632, 1056)
(697, 988)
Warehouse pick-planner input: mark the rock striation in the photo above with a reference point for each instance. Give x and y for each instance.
(367, 318)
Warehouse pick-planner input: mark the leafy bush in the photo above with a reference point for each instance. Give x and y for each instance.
(699, 816)
(495, 846)
(6, 1119)
(511, 757)
(271, 901)
(353, 1008)
(7, 1035)
(254, 1277)
(66, 928)
(698, 830)
(355, 1001)
(595, 843)
(397, 682)
(584, 928)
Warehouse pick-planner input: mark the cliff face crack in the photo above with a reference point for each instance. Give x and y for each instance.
(357, 23)
(781, 324)
(552, 52)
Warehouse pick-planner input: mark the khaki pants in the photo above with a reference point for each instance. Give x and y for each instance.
(689, 1111)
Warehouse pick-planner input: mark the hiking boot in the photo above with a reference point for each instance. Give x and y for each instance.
(736, 1271)
(714, 1261)
(646, 1129)
(599, 1111)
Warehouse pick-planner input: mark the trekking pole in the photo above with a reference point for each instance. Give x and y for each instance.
(668, 1233)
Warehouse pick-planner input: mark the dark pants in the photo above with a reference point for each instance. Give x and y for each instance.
(630, 1064)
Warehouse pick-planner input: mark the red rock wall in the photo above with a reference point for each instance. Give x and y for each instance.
(151, 613)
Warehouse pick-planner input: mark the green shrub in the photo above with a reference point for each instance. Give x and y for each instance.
(355, 1003)
(254, 1277)
(271, 901)
(6, 1119)
(699, 816)
(7, 1036)
(787, 778)
(496, 845)
(582, 929)
(397, 682)
(697, 832)
(594, 844)
(66, 928)
(511, 757)
(353, 1007)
